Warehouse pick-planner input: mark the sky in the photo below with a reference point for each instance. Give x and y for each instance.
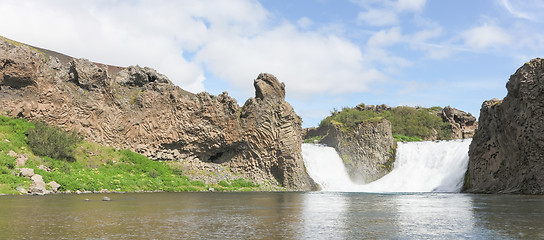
(329, 53)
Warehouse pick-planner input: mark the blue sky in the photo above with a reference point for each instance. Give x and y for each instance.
(330, 53)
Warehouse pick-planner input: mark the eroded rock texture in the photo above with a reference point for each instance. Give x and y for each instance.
(507, 151)
(138, 108)
(368, 150)
(463, 125)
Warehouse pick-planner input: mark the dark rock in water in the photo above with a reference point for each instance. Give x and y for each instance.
(106, 199)
(507, 151)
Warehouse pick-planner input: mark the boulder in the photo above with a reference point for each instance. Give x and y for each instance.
(87, 74)
(138, 76)
(26, 172)
(54, 186)
(507, 152)
(21, 160)
(268, 86)
(38, 185)
(11, 153)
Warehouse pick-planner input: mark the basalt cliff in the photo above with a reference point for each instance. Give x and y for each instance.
(507, 152)
(140, 109)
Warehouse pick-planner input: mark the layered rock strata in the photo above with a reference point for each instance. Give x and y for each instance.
(138, 108)
(507, 151)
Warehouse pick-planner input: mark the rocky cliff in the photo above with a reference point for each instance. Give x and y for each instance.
(506, 153)
(463, 125)
(139, 108)
(368, 150)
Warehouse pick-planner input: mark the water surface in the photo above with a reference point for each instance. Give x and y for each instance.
(315, 215)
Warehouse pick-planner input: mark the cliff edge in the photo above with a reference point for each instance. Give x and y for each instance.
(507, 151)
(138, 108)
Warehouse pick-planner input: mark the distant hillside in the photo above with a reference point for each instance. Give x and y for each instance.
(409, 123)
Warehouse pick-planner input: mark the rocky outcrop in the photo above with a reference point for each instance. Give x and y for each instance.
(368, 150)
(463, 125)
(137, 108)
(506, 153)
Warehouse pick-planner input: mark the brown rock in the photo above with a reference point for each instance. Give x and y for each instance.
(140, 109)
(38, 185)
(506, 153)
(268, 86)
(26, 172)
(368, 151)
(463, 125)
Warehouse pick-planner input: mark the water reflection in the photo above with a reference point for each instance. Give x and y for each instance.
(434, 216)
(324, 214)
(512, 216)
(316, 215)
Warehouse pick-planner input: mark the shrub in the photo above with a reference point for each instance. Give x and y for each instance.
(405, 121)
(52, 142)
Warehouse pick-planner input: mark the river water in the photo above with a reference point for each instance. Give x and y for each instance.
(419, 199)
(314, 215)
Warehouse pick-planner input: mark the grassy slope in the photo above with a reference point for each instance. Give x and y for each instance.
(96, 167)
(409, 124)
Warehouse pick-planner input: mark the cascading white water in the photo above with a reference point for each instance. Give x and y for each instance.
(419, 167)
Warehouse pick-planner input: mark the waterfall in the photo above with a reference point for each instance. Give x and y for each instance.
(432, 166)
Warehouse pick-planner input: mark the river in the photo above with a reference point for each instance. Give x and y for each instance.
(419, 199)
(314, 215)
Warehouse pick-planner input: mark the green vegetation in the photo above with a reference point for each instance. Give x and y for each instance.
(53, 142)
(408, 123)
(401, 138)
(348, 118)
(311, 140)
(85, 166)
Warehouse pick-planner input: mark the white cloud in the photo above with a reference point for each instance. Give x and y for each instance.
(305, 22)
(410, 5)
(385, 13)
(378, 17)
(385, 38)
(234, 40)
(485, 36)
(525, 9)
(308, 63)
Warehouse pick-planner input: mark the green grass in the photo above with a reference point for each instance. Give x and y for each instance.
(401, 138)
(409, 122)
(95, 167)
(312, 139)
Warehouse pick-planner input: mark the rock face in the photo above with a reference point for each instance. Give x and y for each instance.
(506, 153)
(368, 151)
(463, 125)
(137, 108)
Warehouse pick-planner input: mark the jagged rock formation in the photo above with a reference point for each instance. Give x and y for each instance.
(140, 109)
(368, 150)
(507, 151)
(463, 125)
